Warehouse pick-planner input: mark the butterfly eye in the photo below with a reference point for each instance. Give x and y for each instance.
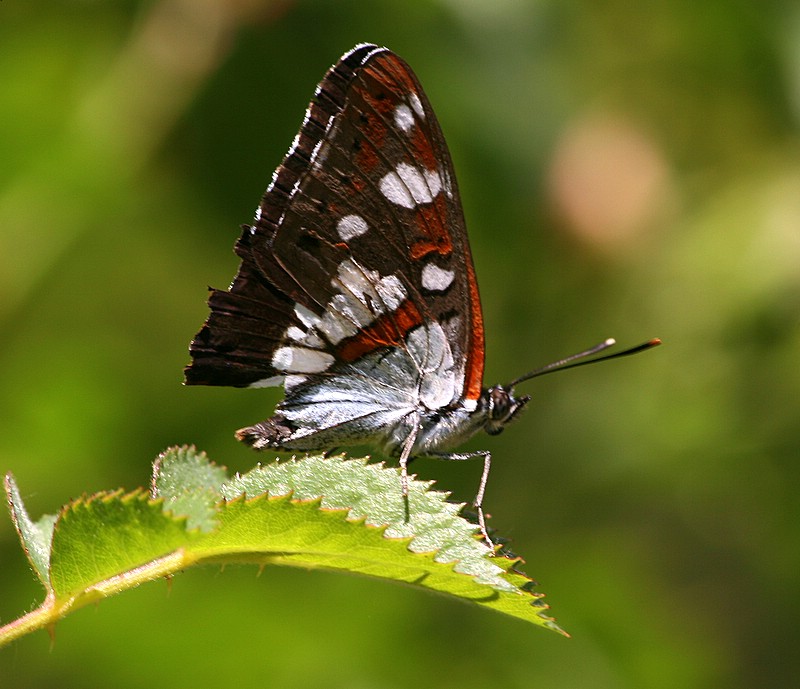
(499, 406)
(502, 408)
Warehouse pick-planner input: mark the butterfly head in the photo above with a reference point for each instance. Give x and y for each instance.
(501, 407)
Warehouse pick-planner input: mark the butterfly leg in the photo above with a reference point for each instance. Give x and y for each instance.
(405, 457)
(478, 502)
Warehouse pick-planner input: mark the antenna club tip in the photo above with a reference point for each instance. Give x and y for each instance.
(655, 342)
(609, 342)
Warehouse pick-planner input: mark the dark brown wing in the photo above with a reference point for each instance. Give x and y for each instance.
(368, 182)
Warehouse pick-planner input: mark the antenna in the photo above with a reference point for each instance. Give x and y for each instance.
(575, 360)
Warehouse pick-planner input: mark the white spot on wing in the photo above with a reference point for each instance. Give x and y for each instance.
(392, 188)
(391, 291)
(339, 321)
(434, 182)
(429, 348)
(452, 332)
(267, 382)
(305, 337)
(351, 226)
(293, 381)
(301, 360)
(362, 296)
(370, 289)
(307, 317)
(295, 333)
(403, 117)
(408, 187)
(413, 98)
(436, 279)
(355, 279)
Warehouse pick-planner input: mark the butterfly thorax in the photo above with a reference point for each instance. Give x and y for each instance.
(449, 428)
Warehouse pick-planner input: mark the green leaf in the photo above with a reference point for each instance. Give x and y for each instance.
(189, 484)
(372, 493)
(109, 534)
(36, 537)
(318, 512)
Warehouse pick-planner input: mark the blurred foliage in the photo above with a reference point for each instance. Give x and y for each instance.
(627, 169)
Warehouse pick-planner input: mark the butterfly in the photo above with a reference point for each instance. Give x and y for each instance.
(356, 289)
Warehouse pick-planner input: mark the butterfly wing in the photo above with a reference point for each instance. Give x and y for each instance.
(358, 241)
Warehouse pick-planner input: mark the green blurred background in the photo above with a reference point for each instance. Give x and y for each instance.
(627, 169)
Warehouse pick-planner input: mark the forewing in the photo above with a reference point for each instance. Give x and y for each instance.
(359, 239)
